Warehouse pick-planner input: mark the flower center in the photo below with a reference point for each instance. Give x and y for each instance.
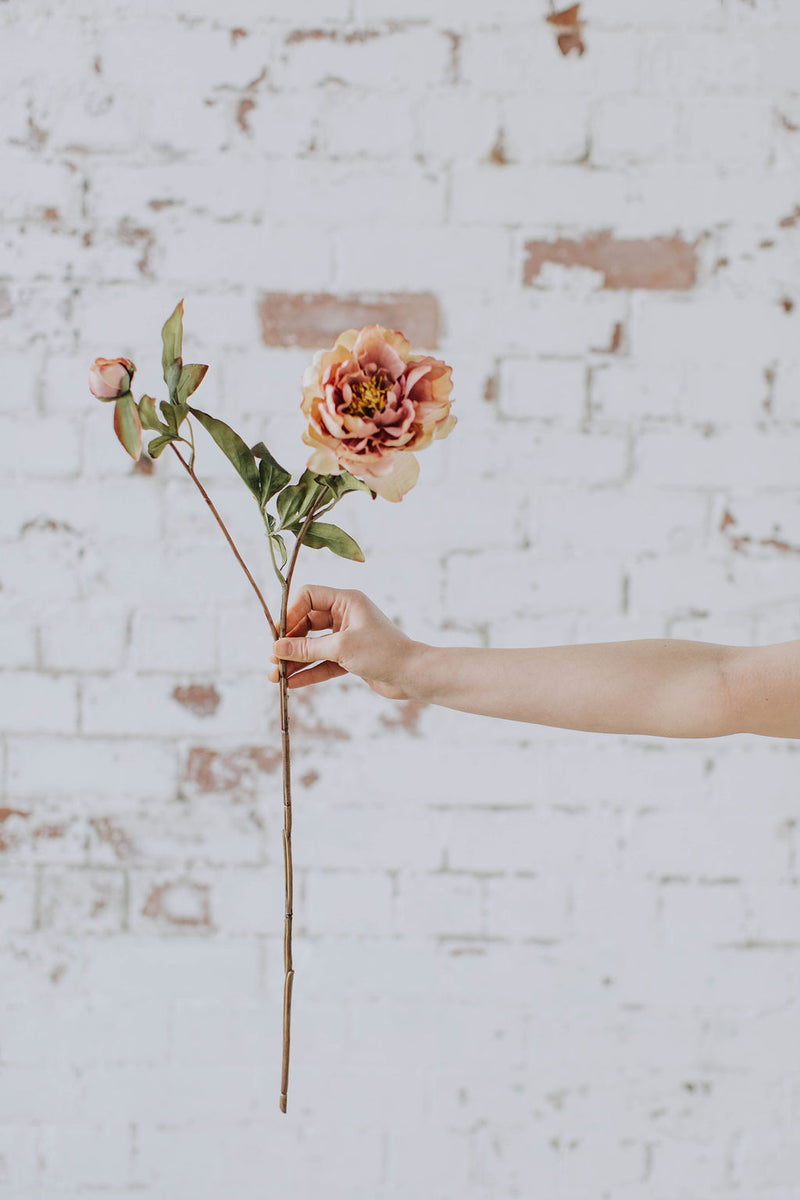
(368, 397)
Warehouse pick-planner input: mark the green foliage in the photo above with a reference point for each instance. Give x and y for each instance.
(272, 475)
(295, 501)
(127, 425)
(158, 443)
(148, 415)
(233, 447)
(170, 416)
(190, 378)
(278, 541)
(340, 485)
(172, 341)
(320, 534)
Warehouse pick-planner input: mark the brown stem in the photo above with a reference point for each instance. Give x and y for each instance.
(287, 810)
(231, 543)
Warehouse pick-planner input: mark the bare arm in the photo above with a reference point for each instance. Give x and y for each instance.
(666, 688)
(655, 686)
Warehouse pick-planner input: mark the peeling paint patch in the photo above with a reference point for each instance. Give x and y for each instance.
(659, 263)
(217, 771)
(740, 542)
(180, 903)
(312, 319)
(116, 838)
(791, 219)
(5, 814)
(409, 712)
(202, 699)
(569, 26)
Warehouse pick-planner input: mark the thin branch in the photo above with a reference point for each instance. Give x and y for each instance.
(287, 810)
(230, 540)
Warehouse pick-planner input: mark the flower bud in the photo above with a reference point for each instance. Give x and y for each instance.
(110, 377)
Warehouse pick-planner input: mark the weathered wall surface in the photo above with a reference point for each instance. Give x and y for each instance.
(530, 962)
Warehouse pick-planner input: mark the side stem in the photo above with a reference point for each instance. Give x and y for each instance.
(287, 809)
(221, 523)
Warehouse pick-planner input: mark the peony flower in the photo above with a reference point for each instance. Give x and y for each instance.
(110, 377)
(370, 403)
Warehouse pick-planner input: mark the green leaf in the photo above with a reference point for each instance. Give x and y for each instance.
(158, 444)
(295, 501)
(320, 533)
(341, 484)
(271, 474)
(148, 415)
(127, 425)
(170, 415)
(191, 377)
(172, 339)
(233, 447)
(281, 544)
(172, 374)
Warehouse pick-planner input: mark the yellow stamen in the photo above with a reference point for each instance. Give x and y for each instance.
(369, 397)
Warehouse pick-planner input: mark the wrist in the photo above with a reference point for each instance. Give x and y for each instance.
(417, 673)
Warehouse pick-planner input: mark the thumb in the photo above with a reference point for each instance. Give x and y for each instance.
(306, 650)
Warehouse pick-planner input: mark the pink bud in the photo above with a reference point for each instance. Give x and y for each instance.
(110, 377)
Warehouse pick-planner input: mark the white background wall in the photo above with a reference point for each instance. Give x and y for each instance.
(530, 962)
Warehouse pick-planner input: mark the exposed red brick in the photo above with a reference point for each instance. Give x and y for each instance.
(314, 319)
(656, 263)
(787, 124)
(215, 771)
(569, 26)
(170, 901)
(117, 839)
(743, 540)
(790, 220)
(238, 33)
(498, 153)
(787, 304)
(490, 388)
(246, 106)
(157, 205)
(309, 778)
(5, 813)
(133, 235)
(314, 728)
(309, 35)
(409, 712)
(143, 466)
(49, 831)
(202, 699)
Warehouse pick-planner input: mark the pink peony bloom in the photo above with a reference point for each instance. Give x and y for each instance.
(110, 377)
(369, 403)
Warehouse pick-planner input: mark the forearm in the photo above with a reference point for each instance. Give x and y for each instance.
(661, 687)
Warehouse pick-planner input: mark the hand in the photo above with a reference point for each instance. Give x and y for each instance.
(363, 642)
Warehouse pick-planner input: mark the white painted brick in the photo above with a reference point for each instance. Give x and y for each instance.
(73, 766)
(90, 1156)
(82, 901)
(17, 904)
(623, 133)
(525, 909)
(545, 389)
(381, 256)
(48, 447)
(47, 703)
(348, 902)
(367, 61)
(530, 135)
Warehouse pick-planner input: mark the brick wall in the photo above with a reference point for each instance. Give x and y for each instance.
(530, 962)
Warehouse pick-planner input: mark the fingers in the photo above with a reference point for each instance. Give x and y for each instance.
(313, 620)
(307, 649)
(313, 598)
(322, 671)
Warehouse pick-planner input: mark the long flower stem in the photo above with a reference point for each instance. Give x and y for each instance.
(287, 809)
(231, 543)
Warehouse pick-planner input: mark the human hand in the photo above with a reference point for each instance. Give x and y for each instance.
(363, 642)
